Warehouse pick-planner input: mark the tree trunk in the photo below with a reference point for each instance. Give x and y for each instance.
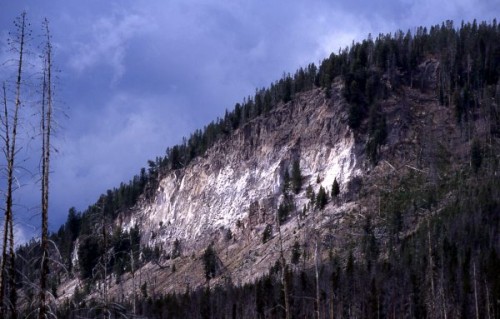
(10, 151)
(283, 272)
(46, 131)
(316, 270)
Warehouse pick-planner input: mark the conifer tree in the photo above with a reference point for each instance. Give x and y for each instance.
(335, 188)
(476, 156)
(321, 198)
(210, 262)
(296, 176)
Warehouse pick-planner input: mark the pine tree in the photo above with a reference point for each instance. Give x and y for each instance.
(210, 262)
(335, 188)
(296, 176)
(321, 198)
(296, 253)
(476, 156)
(176, 249)
(309, 192)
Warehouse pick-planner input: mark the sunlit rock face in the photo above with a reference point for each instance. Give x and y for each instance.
(239, 180)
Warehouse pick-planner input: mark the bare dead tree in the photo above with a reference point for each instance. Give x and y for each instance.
(476, 305)
(430, 272)
(132, 270)
(10, 152)
(316, 273)
(46, 126)
(284, 281)
(3, 274)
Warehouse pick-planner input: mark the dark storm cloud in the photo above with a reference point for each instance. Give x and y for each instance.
(138, 75)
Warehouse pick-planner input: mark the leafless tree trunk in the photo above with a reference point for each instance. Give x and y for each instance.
(488, 306)
(475, 291)
(283, 271)
(7, 216)
(432, 309)
(132, 265)
(105, 257)
(10, 152)
(316, 271)
(46, 124)
(442, 291)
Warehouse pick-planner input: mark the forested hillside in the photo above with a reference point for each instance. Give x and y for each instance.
(419, 233)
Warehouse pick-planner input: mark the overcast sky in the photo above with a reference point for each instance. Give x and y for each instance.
(136, 76)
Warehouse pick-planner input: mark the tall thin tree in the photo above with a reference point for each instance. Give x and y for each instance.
(10, 151)
(46, 126)
(3, 273)
(284, 270)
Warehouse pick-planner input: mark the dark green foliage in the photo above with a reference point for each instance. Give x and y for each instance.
(144, 290)
(354, 95)
(126, 247)
(283, 212)
(285, 208)
(89, 253)
(73, 223)
(150, 254)
(335, 188)
(66, 236)
(309, 192)
(476, 155)
(321, 198)
(312, 201)
(210, 262)
(311, 195)
(296, 177)
(356, 115)
(205, 304)
(377, 132)
(176, 249)
(287, 88)
(267, 234)
(349, 268)
(374, 88)
(121, 249)
(369, 244)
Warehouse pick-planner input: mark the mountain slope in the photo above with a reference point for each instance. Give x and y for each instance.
(218, 189)
(409, 128)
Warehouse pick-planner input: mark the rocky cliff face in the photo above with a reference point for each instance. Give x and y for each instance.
(239, 180)
(236, 188)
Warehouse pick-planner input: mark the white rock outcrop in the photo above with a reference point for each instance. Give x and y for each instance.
(215, 191)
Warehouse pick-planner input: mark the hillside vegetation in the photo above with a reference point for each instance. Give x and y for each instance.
(413, 234)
